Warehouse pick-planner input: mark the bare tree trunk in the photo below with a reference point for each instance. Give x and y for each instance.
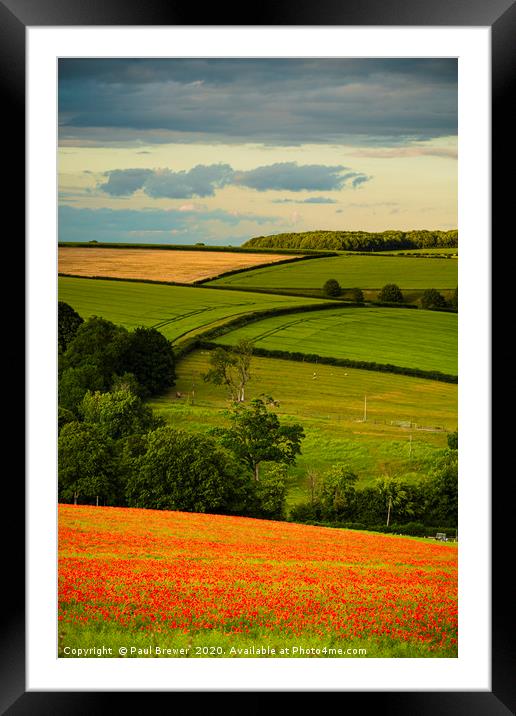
(257, 471)
(97, 500)
(389, 505)
(75, 498)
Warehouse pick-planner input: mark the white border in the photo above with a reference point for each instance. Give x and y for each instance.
(471, 670)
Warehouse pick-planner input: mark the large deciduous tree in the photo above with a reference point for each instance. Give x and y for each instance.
(149, 356)
(256, 435)
(68, 322)
(118, 414)
(100, 344)
(85, 463)
(337, 492)
(392, 492)
(232, 369)
(184, 471)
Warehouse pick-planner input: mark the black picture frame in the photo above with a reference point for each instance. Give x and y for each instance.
(500, 16)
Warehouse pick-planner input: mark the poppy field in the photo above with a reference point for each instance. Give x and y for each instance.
(148, 583)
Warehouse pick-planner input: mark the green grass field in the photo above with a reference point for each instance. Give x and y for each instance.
(409, 338)
(331, 409)
(443, 251)
(173, 310)
(351, 271)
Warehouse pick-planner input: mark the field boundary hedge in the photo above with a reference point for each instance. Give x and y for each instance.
(206, 340)
(346, 363)
(128, 280)
(414, 529)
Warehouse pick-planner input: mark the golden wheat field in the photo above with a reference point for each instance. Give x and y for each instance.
(157, 264)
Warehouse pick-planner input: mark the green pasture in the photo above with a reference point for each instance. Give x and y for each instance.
(431, 251)
(407, 419)
(408, 338)
(351, 271)
(173, 310)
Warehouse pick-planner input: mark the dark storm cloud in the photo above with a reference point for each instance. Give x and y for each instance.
(202, 181)
(277, 101)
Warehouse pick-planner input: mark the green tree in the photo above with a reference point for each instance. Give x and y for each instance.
(337, 492)
(101, 345)
(455, 300)
(271, 491)
(64, 416)
(86, 466)
(332, 288)
(75, 382)
(118, 414)
(357, 295)
(392, 492)
(391, 293)
(149, 356)
(257, 435)
(442, 504)
(185, 471)
(231, 368)
(127, 381)
(431, 298)
(68, 322)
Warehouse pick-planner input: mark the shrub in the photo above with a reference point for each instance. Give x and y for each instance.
(391, 293)
(332, 287)
(357, 295)
(455, 300)
(433, 299)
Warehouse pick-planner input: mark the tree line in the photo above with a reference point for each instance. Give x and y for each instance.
(357, 240)
(391, 502)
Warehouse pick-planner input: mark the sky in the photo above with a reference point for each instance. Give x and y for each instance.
(217, 151)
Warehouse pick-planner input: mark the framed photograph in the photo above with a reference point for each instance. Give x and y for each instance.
(236, 481)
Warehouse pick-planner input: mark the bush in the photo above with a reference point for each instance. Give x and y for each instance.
(454, 303)
(332, 288)
(305, 512)
(357, 295)
(453, 440)
(391, 293)
(431, 298)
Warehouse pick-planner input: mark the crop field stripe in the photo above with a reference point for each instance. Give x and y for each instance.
(364, 271)
(178, 310)
(408, 339)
